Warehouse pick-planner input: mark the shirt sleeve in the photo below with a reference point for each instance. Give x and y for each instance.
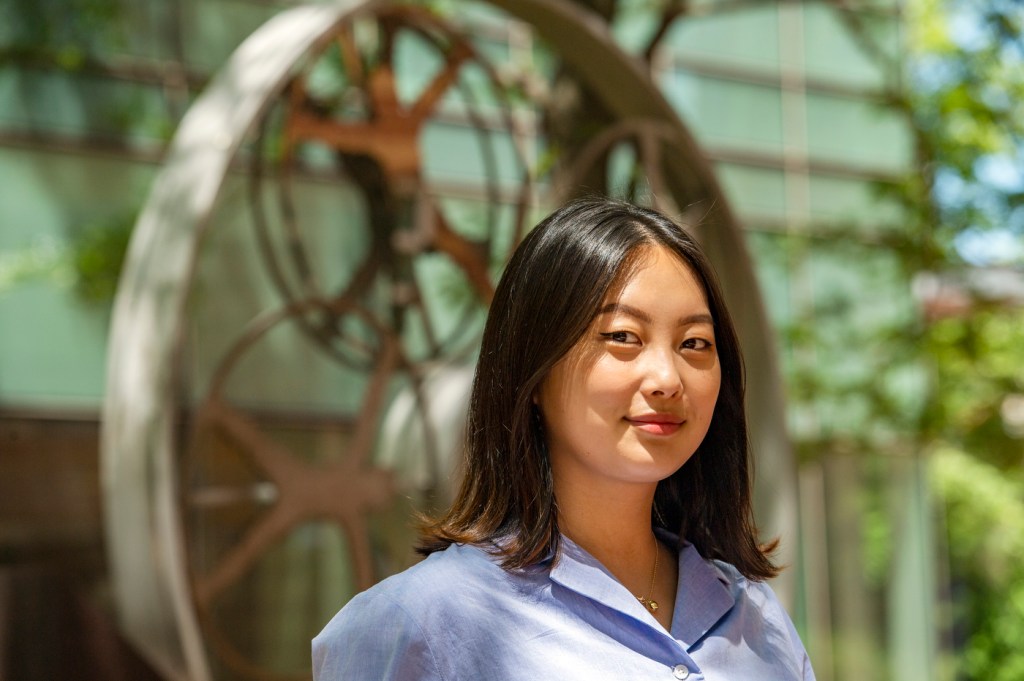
(799, 666)
(798, 647)
(374, 638)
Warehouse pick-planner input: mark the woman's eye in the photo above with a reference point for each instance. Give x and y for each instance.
(696, 344)
(621, 336)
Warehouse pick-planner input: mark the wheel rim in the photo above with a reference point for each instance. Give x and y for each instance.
(166, 592)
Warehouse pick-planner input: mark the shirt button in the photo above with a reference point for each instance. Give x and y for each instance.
(680, 671)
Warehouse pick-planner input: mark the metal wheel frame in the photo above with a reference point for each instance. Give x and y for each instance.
(139, 439)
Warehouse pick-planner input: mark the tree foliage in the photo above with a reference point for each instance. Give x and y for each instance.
(60, 33)
(965, 101)
(985, 521)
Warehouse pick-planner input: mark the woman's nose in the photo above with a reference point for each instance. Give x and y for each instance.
(661, 374)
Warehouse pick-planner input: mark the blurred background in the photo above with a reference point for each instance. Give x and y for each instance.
(210, 440)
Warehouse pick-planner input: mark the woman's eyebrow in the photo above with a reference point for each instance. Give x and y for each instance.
(637, 313)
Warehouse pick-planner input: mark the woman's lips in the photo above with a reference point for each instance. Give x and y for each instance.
(656, 425)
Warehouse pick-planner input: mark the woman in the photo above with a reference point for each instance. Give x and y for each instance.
(603, 529)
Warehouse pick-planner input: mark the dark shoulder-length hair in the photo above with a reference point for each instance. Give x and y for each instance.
(549, 295)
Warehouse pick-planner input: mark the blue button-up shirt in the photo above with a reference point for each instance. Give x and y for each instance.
(458, 616)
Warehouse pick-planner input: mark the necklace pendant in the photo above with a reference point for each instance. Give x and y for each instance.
(648, 603)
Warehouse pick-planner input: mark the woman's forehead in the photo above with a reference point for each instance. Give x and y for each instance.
(641, 259)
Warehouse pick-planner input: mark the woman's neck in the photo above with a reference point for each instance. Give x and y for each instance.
(613, 524)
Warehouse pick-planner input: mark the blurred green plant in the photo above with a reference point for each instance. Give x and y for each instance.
(61, 33)
(43, 260)
(96, 254)
(985, 522)
(89, 261)
(960, 88)
(977, 472)
(966, 102)
(965, 99)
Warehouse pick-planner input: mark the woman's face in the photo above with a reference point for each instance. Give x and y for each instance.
(634, 397)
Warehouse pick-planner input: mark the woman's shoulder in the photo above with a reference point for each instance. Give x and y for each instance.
(386, 631)
(738, 584)
(431, 582)
(440, 571)
(745, 629)
(458, 578)
(408, 625)
(757, 596)
(744, 590)
(757, 591)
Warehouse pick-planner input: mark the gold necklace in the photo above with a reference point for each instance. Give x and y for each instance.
(650, 603)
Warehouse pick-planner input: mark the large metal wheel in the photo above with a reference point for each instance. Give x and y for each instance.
(215, 486)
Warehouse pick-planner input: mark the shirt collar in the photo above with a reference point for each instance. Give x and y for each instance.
(577, 570)
(703, 596)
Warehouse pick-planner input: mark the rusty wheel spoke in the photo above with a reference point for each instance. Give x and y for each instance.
(380, 82)
(358, 536)
(350, 58)
(369, 414)
(649, 146)
(240, 557)
(470, 255)
(274, 459)
(428, 324)
(436, 89)
(220, 496)
(383, 95)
